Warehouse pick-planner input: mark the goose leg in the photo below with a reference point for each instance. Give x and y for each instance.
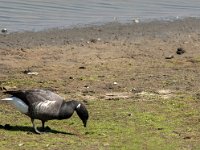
(35, 128)
(43, 127)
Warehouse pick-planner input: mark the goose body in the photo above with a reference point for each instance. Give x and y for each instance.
(45, 105)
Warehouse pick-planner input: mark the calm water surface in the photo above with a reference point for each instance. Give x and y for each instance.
(34, 15)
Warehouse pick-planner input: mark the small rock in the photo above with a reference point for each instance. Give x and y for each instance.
(33, 73)
(93, 40)
(71, 78)
(129, 114)
(136, 90)
(136, 20)
(160, 128)
(82, 67)
(180, 51)
(101, 76)
(26, 71)
(23, 50)
(169, 57)
(86, 86)
(4, 31)
(115, 83)
(20, 144)
(187, 137)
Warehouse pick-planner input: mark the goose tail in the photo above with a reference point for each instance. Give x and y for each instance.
(17, 103)
(7, 99)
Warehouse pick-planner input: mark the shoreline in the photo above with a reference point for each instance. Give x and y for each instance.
(109, 31)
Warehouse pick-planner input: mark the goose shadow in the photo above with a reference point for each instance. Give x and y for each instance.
(30, 130)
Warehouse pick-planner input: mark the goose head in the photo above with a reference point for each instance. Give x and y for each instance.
(82, 113)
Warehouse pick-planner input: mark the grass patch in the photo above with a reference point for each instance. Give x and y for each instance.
(27, 82)
(122, 124)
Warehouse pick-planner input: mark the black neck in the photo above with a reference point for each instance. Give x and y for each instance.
(67, 109)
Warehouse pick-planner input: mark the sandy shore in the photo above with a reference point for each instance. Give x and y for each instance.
(95, 61)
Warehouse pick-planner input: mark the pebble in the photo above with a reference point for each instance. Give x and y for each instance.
(169, 57)
(33, 73)
(82, 67)
(71, 78)
(136, 20)
(20, 144)
(180, 51)
(187, 137)
(130, 114)
(26, 71)
(160, 128)
(4, 31)
(93, 40)
(86, 86)
(115, 83)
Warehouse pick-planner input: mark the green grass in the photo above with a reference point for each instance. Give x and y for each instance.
(123, 124)
(28, 81)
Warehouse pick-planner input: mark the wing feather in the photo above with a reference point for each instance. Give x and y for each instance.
(32, 96)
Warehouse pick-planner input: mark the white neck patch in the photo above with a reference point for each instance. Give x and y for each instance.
(79, 105)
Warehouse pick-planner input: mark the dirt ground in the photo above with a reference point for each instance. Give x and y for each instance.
(98, 61)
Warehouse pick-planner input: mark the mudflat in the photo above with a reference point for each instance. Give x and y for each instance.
(109, 58)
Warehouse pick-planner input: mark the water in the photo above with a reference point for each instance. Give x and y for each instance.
(34, 15)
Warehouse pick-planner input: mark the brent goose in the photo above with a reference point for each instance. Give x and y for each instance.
(45, 105)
